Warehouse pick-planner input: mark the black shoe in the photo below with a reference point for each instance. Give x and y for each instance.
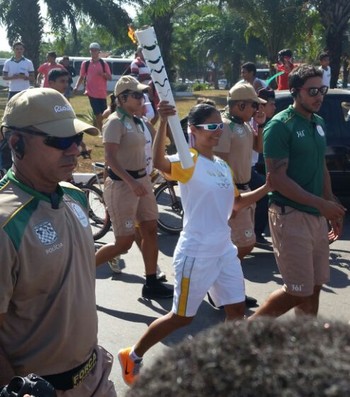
(157, 291)
(250, 302)
(212, 304)
(261, 241)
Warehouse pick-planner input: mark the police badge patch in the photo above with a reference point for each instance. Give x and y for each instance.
(45, 233)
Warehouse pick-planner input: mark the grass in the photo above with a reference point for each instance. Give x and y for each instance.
(81, 106)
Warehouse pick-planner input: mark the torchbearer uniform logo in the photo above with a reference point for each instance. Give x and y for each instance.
(45, 233)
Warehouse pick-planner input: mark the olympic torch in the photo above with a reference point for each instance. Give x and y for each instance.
(148, 41)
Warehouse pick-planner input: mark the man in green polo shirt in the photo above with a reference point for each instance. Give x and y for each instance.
(302, 200)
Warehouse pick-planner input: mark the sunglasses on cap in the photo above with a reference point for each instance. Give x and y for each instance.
(53, 141)
(211, 127)
(136, 95)
(313, 91)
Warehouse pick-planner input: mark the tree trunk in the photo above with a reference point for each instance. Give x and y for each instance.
(334, 42)
(164, 31)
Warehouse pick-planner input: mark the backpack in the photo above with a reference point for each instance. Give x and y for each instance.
(102, 62)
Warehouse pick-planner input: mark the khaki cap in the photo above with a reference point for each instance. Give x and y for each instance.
(244, 92)
(129, 83)
(47, 110)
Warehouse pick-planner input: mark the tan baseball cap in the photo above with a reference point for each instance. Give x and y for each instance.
(244, 92)
(129, 83)
(47, 110)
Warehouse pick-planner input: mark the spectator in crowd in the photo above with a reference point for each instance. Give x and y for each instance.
(248, 73)
(325, 68)
(44, 69)
(95, 73)
(128, 190)
(18, 71)
(72, 73)
(236, 146)
(284, 65)
(302, 200)
(257, 179)
(139, 69)
(59, 80)
(48, 319)
(295, 357)
(205, 258)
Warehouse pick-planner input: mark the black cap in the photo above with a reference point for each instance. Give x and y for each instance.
(266, 93)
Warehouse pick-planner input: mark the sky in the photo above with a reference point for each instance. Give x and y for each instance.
(4, 46)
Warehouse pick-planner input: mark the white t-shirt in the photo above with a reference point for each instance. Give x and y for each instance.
(12, 67)
(207, 194)
(326, 76)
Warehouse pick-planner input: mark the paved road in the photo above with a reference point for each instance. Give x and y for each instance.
(124, 315)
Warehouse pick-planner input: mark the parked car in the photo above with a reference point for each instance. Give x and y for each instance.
(335, 113)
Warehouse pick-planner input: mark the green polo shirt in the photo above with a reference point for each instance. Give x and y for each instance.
(290, 135)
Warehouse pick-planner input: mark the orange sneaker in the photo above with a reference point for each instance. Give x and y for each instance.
(130, 368)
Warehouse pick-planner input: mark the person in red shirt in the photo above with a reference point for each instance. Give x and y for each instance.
(285, 65)
(95, 73)
(43, 70)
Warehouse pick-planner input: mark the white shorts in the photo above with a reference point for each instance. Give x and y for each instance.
(221, 275)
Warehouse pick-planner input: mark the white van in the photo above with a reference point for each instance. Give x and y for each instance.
(118, 66)
(2, 82)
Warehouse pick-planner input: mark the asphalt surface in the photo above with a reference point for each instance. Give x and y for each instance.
(124, 315)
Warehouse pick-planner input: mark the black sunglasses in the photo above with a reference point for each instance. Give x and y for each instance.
(53, 141)
(136, 95)
(313, 91)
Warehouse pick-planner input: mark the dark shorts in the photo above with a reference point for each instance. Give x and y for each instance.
(98, 105)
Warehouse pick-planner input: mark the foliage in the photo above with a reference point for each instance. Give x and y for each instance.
(273, 22)
(200, 86)
(26, 23)
(334, 16)
(23, 23)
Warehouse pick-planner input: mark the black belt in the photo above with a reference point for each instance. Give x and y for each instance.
(70, 379)
(282, 206)
(135, 174)
(243, 186)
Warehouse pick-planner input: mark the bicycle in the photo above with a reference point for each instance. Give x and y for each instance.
(167, 195)
(170, 208)
(100, 221)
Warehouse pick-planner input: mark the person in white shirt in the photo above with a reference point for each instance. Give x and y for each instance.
(326, 69)
(205, 259)
(18, 71)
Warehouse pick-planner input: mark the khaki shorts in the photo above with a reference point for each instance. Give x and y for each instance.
(125, 208)
(301, 247)
(242, 227)
(96, 384)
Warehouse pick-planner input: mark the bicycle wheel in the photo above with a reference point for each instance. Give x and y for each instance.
(96, 181)
(169, 207)
(98, 216)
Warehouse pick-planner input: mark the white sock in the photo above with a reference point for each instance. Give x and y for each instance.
(134, 356)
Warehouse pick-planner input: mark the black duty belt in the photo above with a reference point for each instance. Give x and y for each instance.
(243, 186)
(135, 174)
(282, 206)
(70, 379)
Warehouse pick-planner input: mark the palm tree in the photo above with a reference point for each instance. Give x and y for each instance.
(334, 16)
(24, 21)
(272, 21)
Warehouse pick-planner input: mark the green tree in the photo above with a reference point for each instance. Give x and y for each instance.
(334, 16)
(24, 21)
(160, 14)
(273, 22)
(222, 31)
